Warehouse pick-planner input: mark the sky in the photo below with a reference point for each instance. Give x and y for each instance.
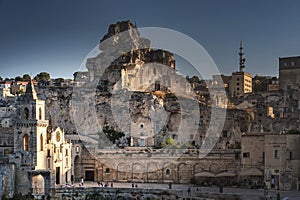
(56, 35)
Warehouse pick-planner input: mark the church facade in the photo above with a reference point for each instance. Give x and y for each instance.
(39, 157)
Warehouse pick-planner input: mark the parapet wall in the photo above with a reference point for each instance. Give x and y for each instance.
(136, 193)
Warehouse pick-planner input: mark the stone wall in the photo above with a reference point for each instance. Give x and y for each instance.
(7, 180)
(136, 193)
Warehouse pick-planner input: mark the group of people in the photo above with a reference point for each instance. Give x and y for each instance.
(134, 185)
(100, 184)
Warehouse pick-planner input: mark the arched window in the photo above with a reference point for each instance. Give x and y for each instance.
(26, 113)
(25, 142)
(42, 142)
(167, 172)
(40, 113)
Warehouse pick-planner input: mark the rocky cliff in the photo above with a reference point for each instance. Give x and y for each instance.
(100, 101)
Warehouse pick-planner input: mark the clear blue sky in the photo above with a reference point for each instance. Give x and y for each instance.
(56, 35)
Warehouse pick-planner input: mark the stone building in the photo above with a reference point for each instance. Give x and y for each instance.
(252, 157)
(38, 158)
(5, 89)
(272, 158)
(241, 82)
(282, 161)
(289, 72)
(148, 165)
(18, 87)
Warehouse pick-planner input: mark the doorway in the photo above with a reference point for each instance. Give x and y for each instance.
(38, 184)
(89, 175)
(57, 175)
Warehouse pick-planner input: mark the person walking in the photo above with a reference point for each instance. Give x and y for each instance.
(278, 196)
(189, 191)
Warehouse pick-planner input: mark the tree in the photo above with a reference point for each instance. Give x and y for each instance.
(58, 81)
(112, 134)
(1, 78)
(26, 77)
(43, 76)
(18, 78)
(170, 142)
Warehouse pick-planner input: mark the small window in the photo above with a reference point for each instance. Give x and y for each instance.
(6, 152)
(26, 113)
(67, 152)
(293, 63)
(142, 125)
(41, 142)
(107, 170)
(77, 149)
(48, 153)
(224, 134)
(191, 136)
(40, 113)
(142, 142)
(167, 172)
(291, 155)
(25, 143)
(275, 153)
(48, 163)
(246, 154)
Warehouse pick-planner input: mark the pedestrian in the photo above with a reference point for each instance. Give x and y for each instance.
(189, 190)
(135, 185)
(132, 185)
(111, 184)
(81, 181)
(278, 196)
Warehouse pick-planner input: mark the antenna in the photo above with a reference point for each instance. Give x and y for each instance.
(241, 55)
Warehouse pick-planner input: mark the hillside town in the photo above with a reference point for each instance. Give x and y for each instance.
(50, 138)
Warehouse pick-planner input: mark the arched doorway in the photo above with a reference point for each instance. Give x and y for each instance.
(77, 168)
(138, 172)
(38, 185)
(122, 172)
(153, 172)
(184, 173)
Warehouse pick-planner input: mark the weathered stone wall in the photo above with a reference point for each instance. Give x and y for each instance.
(136, 193)
(7, 180)
(289, 72)
(58, 106)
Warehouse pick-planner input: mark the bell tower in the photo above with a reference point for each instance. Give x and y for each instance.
(30, 131)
